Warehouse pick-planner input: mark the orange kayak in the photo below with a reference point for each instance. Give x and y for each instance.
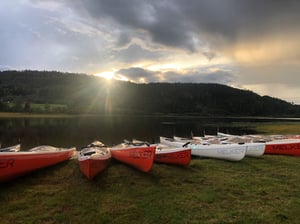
(289, 147)
(171, 155)
(15, 164)
(140, 156)
(93, 160)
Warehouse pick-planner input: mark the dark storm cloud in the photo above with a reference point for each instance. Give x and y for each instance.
(192, 24)
(139, 74)
(204, 26)
(162, 20)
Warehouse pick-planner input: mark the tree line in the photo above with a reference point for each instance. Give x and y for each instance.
(57, 92)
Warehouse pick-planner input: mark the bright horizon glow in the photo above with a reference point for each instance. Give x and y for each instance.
(106, 75)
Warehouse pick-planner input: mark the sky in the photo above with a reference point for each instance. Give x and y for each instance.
(246, 44)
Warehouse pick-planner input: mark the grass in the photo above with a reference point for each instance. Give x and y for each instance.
(282, 128)
(253, 190)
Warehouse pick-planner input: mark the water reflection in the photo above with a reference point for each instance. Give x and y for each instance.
(79, 131)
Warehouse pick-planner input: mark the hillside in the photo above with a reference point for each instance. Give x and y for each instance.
(79, 93)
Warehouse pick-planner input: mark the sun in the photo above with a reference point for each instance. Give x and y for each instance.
(106, 75)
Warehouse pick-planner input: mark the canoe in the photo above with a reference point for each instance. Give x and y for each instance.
(232, 152)
(172, 155)
(14, 148)
(278, 144)
(93, 159)
(289, 147)
(15, 164)
(140, 156)
(254, 148)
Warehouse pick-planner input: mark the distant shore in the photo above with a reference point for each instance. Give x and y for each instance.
(21, 115)
(65, 115)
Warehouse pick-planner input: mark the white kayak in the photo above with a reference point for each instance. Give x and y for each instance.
(254, 148)
(232, 152)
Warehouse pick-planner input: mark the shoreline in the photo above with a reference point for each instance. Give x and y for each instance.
(65, 115)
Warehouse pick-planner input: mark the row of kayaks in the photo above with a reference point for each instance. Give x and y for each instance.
(95, 157)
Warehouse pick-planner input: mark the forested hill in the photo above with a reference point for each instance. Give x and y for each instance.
(36, 91)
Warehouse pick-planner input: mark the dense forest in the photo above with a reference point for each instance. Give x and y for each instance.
(57, 92)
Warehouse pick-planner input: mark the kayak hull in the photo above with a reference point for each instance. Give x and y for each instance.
(255, 149)
(232, 152)
(290, 147)
(93, 160)
(140, 157)
(15, 164)
(180, 156)
(91, 167)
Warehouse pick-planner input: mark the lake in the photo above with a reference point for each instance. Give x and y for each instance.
(79, 131)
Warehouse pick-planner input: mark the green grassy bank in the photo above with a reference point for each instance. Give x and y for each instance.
(254, 190)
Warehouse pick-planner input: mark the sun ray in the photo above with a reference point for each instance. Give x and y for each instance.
(106, 75)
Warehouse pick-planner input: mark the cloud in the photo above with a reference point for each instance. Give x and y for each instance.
(136, 53)
(285, 74)
(142, 75)
(138, 75)
(215, 22)
(232, 27)
(161, 20)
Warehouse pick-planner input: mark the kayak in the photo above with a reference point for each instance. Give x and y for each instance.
(172, 155)
(15, 164)
(254, 148)
(93, 159)
(138, 155)
(232, 151)
(289, 147)
(14, 148)
(277, 144)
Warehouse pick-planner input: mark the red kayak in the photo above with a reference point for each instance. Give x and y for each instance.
(93, 159)
(140, 156)
(171, 155)
(289, 147)
(15, 164)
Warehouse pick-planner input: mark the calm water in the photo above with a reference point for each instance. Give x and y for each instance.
(79, 131)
